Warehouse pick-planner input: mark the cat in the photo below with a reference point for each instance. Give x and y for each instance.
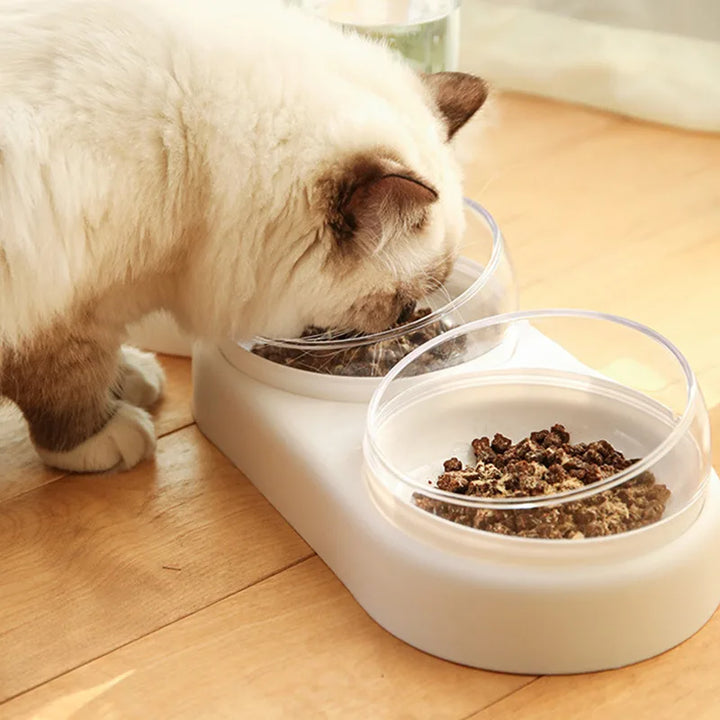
(244, 166)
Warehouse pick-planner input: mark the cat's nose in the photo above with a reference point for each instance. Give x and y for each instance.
(406, 312)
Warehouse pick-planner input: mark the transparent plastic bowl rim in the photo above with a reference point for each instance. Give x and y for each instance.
(498, 248)
(522, 503)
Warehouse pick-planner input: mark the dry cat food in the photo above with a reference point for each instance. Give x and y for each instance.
(543, 464)
(371, 360)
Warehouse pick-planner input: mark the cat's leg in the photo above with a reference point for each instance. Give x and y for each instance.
(140, 378)
(64, 384)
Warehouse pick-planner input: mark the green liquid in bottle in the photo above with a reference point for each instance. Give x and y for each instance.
(424, 32)
(428, 46)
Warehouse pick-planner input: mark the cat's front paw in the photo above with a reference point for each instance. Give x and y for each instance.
(126, 439)
(141, 378)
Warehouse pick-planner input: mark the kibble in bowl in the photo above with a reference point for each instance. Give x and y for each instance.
(589, 427)
(547, 463)
(364, 359)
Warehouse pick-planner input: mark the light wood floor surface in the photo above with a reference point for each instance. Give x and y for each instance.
(176, 590)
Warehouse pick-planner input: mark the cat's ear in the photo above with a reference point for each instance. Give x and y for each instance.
(378, 197)
(458, 96)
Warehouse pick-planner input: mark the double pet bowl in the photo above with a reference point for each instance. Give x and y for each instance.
(346, 458)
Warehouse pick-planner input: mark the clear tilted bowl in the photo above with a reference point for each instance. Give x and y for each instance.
(602, 377)
(480, 284)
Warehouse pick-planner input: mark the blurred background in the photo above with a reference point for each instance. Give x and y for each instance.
(656, 60)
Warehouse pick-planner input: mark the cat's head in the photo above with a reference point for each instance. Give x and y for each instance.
(384, 214)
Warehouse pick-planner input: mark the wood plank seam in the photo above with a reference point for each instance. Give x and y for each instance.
(64, 475)
(504, 697)
(262, 579)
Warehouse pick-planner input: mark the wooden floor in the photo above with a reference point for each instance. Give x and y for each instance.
(176, 591)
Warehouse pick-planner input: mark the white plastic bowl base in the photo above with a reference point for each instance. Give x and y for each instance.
(524, 606)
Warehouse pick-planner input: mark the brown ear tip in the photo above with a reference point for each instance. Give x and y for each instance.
(455, 79)
(457, 95)
(483, 86)
(473, 85)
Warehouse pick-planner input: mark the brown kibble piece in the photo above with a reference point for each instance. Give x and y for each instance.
(500, 443)
(593, 456)
(561, 432)
(452, 464)
(556, 474)
(452, 482)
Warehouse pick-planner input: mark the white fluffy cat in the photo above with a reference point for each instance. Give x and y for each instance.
(244, 166)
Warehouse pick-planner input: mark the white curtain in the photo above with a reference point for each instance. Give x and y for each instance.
(657, 60)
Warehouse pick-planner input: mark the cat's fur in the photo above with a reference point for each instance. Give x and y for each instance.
(248, 168)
